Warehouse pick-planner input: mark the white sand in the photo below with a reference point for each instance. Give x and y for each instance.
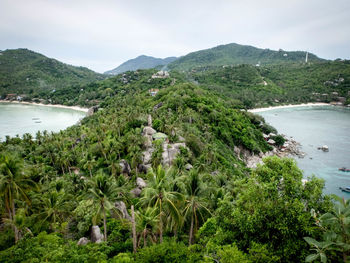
(49, 105)
(288, 106)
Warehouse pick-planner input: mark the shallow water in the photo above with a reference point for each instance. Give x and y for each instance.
(23, 118)
(314, 126)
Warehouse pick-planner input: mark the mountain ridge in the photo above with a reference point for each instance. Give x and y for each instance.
(234, 54)
(140, 62)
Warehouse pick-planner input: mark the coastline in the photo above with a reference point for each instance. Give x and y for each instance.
(78, 108)
(289, 106)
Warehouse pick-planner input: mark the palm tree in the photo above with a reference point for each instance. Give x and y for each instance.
(158, 194)
(103, 190)
(147, 222)
(13, 185)
(196, 205)
(55, 205)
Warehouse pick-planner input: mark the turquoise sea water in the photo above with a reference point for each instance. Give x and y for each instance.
(24, 118)
(314, 126)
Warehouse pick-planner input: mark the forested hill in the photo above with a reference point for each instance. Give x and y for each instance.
(270, 85)
(23, 71)
(175, 157)
(234, 54)
(141, 62)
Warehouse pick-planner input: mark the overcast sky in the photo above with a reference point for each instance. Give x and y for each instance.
(102, 34)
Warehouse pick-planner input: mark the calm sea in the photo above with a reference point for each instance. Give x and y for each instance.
(314, 126)
(23, 118)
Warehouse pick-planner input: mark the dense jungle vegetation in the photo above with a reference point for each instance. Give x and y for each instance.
(207, 206)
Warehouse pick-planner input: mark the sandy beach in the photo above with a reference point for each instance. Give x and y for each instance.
(288, 106)
(48, 105)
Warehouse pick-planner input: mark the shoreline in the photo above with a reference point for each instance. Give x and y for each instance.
(289, 106)
(77, 108)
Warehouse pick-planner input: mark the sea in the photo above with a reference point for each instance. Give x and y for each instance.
(313, 127)
(18, 119)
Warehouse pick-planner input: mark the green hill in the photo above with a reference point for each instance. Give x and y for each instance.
(23, 71)
(278, 84)
(195, 200)
(141, 62)
(234, 54)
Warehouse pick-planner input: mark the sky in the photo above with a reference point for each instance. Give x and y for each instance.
(102, 34)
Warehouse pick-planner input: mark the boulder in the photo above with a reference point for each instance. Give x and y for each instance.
(148, 141)
(156, 107)
(147, 156)
(148, 130)
(140, 183)
(96, 236)
(83, 241)
(125, 167)
(136, 192)
(271, 142)
(188, 167)
(120, 205)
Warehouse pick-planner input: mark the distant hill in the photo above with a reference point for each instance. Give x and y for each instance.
(234, 54)
(23, 71)
(141, 62)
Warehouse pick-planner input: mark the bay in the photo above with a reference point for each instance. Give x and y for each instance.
(314, 126)
(18, 119)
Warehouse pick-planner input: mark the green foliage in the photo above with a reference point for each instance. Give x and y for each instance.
(279, 140)
(335, 226)
(168, 251)
(268, 209)
(52, 248)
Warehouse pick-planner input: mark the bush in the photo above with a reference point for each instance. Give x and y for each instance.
(168, 251)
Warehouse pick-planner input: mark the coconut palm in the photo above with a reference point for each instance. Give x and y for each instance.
(103, 190)
(158, 194)
(147, 222)
(54, 206)
(196, 204)
(14, 184)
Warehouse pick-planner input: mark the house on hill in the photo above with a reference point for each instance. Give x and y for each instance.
(153, 92)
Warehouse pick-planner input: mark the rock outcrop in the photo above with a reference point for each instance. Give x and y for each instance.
(83, 241)
(96, 236)
(136, 192)
(140, 183)
(290, 147)
(120, 205)
(170, 151)
(125, 167)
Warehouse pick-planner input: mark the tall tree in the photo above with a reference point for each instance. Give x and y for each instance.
(196, 201)
(14, 184)
(104, 190)
(158, 194)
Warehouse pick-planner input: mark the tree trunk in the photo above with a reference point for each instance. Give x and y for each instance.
(133, 228)
(191, 231)
(13, 220)
(160, 229)
(144, 239)
(104, 223)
